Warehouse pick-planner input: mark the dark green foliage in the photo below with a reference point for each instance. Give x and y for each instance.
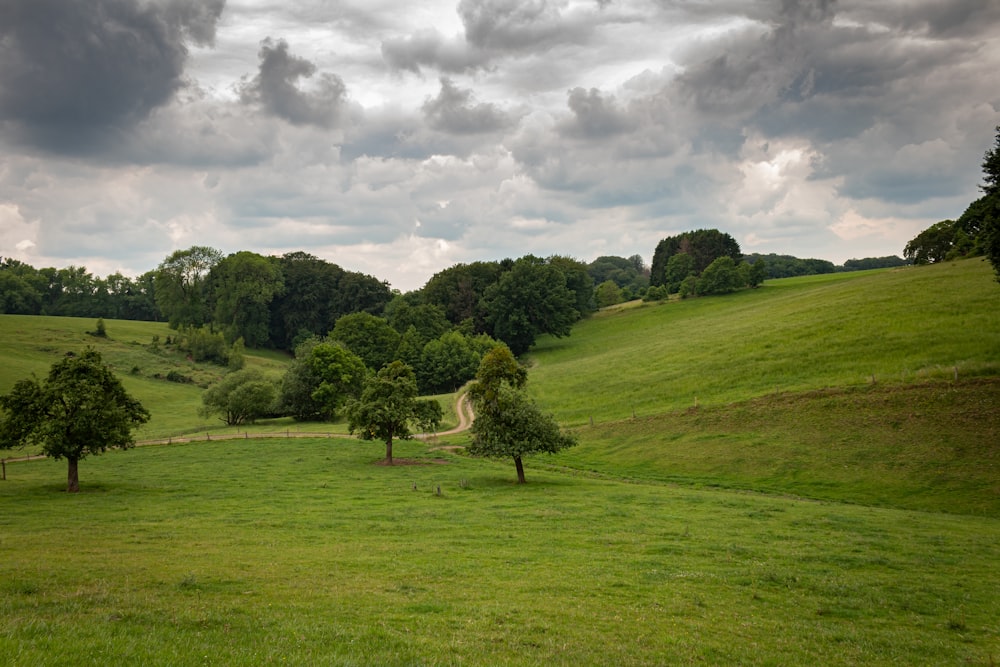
(888, 262)
(755, 273)
(203, 344)
(180, 286)
(100, 329)
(578, 281)
(529, 300)
(787, 266)
(459, 289)
(241, 397)
(427, 320)
(627, 273)
(367, 336)
(933, 244)
(81, 408)
(990, 215)
(387, 407)
(607, 294)
(703, 245)
(240, 289)
(722, 276)
(305, 306)
(446, 363)
(679, 267)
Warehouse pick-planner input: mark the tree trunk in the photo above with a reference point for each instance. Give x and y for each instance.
(520, 469)
(72, 476)
(388, 450)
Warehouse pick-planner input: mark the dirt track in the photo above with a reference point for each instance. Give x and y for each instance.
(462, 408)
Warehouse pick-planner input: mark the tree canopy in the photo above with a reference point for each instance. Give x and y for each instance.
(241, 397)
(388, 406)
(508, 424)
(79, 409)
(703, 245)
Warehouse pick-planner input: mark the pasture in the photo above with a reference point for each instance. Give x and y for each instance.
(802, 474)
(304, 552)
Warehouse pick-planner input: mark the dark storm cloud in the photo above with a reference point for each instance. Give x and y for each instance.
(454, 112)
(275, 88)
(75, 73)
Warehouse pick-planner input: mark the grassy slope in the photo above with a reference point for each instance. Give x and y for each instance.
(302, 552)
(782, 378)
(31, 344)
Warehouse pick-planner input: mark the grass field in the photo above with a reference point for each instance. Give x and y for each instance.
(804, 474)
(303, 552)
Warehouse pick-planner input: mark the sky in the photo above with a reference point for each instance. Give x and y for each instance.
(400, 138)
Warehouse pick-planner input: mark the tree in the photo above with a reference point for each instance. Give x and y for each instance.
(990, 234)
(180, 285)
(81, 408)
(931, 245)
(704, 246)
(446, 363)
(720, 277)
(387, 406)
(756, 273)
(529, 300)
(369, 337)
(608, 294)
(508, 424)
(241, 397)
(241, 287)
(339, 376)
(679, 267)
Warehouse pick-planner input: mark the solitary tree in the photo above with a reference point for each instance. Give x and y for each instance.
(388, 406)
(512, 426)
(508, 423)
(81, 408)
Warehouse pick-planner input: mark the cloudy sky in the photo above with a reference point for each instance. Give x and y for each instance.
(399, 138)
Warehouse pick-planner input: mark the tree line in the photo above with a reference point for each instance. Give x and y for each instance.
(975, 233)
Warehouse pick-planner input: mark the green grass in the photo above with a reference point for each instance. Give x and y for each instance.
(31, 344)
(790, 335)
(305, 552)
(803, 474)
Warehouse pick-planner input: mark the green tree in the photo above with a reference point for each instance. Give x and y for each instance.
(180, 286)
(679, 267)
(369, 337)
(704, 246)
(756, 274)
(81, 408)
(722, 276)
(387, 407)
(607, 294)
(446, 363)
(509, 425)
(241, 287)
(339, 375)
(241, 397)
(990, 230)
(931, 245)
(460, 288)
(529, 300)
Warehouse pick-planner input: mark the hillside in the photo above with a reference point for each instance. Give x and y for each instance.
(30, 344)
(840, 387)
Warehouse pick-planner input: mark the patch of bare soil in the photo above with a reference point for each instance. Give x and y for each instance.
(411, 462)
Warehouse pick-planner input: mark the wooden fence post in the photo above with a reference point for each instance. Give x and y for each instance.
(3, 464)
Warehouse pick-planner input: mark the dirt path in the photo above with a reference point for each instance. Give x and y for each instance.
(462, 408)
